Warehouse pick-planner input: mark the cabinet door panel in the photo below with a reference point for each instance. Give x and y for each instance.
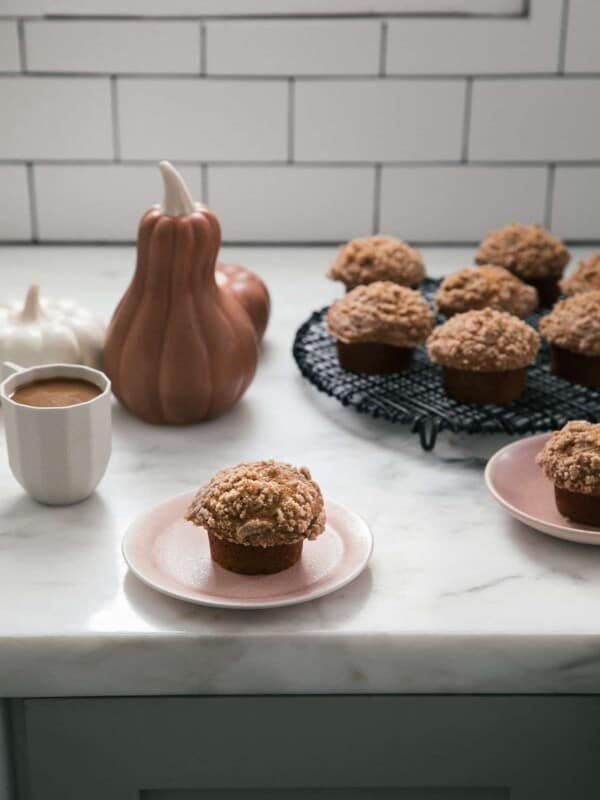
(375, 746)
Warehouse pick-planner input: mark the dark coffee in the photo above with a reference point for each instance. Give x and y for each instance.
(55, 393)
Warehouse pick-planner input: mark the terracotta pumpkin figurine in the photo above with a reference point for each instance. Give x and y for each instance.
(180, 348)
(250, 291)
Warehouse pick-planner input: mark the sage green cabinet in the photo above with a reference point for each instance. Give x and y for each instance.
(309, 748)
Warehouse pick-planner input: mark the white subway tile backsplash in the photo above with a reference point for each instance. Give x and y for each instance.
(459, 203)
(15, 218)
(54, 118)
(9, 46)
(293, 47)
(542, 119)
(379, 120)
(292, 203)
(202, 119)
(576, 206)
(468, 116)
(583, 32)
(99, 202)
(477, 45)
(111, 46)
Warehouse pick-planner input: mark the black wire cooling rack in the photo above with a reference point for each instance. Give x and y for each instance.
(417, 398)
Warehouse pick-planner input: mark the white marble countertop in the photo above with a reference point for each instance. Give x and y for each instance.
(458, 596)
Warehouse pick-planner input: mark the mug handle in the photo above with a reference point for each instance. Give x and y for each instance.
(9, 368)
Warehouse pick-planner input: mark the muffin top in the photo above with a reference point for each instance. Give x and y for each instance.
(260, 503)
(377, 258)
(483, 341)
(574, 324)
(586, 277)
(528, 251)
(485, 287)
(571, 457)
(381, 312)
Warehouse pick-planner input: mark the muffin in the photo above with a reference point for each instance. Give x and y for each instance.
(586, 277)
(573, 330)
(571, 460)
(377, 258)
(378, 326)
(257, 516)
(530, 253)
(484, 355)
(485, 287)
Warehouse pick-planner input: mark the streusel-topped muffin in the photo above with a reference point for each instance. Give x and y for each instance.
(530, 253)
(486, 286)
(571, 460)
(258, 514)
(484, 355)
(378, 326)
(377, 258)
(586, 278)
(573, 330)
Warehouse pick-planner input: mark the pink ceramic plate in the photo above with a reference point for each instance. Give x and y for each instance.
(519, 485)
(173, 557)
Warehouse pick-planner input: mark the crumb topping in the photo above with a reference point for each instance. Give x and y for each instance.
(528, 251)
(486, 286)
(586, 277)
(574, 324)
(483, 341)
(571, 457)
(381, 312)
(261, 503)
(377, 258)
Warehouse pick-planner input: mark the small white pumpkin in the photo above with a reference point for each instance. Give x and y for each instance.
(44, 331)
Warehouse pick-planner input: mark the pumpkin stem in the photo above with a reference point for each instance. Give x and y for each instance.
(31, 309)
(177, 201)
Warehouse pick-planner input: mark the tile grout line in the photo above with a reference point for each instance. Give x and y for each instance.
(21, 43)
(114, 106)
(383, 44)
(548, 206)
(467, 121)
(204, 179)
(203, 54)
(291, 119)
(32, 202)
(588, 163)
(377, 199)
(562, 42)
(419, 77)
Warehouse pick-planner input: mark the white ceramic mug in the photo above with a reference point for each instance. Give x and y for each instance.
(58, 455)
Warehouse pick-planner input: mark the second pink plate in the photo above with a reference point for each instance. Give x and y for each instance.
(173, 557)
(518, 484)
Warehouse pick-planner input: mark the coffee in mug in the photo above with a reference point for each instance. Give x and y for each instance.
(55, 393)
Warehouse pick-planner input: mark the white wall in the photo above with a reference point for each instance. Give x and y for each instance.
(431, 127)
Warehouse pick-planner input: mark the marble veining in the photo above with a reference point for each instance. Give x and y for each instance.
(458, 597)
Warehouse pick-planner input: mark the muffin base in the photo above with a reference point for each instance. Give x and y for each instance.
(578, 507)
(547, 288)
(252, 560)
(575, 367)
(481, 388)
(374, 358)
